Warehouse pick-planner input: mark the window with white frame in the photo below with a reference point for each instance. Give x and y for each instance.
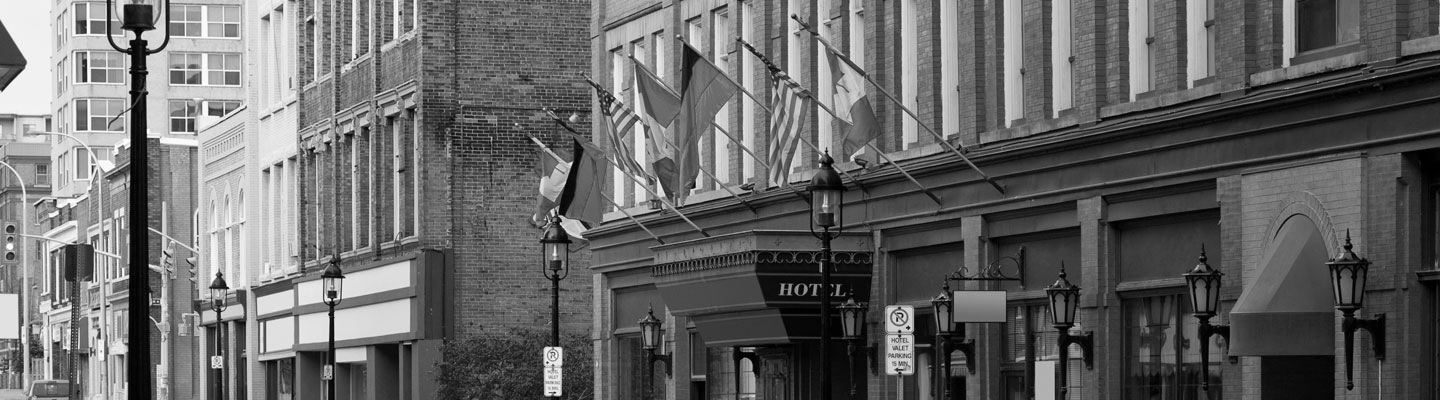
(60, 74)
(42, 174)
(360, 191)
(90, 19)
(1014, 63)
(99, 67)
(1200, 39)
(208, 69)
(794, 60)
(950, 67)
(824, 127)
(1062, 62)
(220, 108)
(314, 25)
(182, 116)
(99, 115)
(1142, 39)
(747, 80)
(82, 165)
(909, 71)
(359, 28)
(720, 46)
(1313, 25)
(205, 21)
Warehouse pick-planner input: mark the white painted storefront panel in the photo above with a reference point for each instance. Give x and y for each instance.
(380, 319)
(276, 302)
(360, 283)
(279, 334)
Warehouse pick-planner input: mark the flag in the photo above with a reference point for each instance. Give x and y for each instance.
(581, 199)
(659, 108)
(852, 107)
(704, 90)
(787, 116)
(620, 119)
(553, 173)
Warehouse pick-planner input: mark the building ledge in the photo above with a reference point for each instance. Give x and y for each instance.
(1311, 68)
(1161, 101)
(1420, 46)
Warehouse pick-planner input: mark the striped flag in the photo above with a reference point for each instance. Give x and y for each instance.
(621, 119)
(790, 105)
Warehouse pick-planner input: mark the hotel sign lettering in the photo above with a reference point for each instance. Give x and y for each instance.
(802, 289)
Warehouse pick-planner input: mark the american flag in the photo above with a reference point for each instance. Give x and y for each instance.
(621, 119)
(790, 105)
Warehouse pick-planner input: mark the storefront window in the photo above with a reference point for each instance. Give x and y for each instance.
(280, 379)
(1030, 354)
(1161, 362)
(631, 368)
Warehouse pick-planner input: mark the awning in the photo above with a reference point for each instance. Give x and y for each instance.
(11, 60)
(759, 287)
(1288, 309)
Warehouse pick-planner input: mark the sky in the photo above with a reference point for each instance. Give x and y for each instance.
(29, 24)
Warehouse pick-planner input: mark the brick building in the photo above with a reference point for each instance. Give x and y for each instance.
(30, 182)
(1127, 134)
(393, 137)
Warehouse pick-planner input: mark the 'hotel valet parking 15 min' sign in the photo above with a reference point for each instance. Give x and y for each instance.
(899, 340)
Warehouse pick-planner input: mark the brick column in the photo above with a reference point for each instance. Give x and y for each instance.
(1096, 296)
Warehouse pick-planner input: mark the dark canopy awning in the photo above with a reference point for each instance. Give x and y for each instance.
(1288, 309)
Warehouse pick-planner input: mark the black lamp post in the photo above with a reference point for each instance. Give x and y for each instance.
(826, 212)
(852, 322)
(1347, 279)
(139, 17)
(1204, 284)
(218, 290)
(949, 336)
(334, 283)
(650, 340)
(1064, 298)
(556, 247)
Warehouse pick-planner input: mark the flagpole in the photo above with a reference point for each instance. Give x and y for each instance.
(631, 217)
(767, 166)
(897, 102)
(773, 71)
(576, 135)
(888, 160)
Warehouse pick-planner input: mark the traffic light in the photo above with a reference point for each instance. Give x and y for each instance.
(79, 260)
(167, 256)
(12, 244)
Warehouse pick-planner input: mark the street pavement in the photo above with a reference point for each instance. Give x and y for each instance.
(11, 394)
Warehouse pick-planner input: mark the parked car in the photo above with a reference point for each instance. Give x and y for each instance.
(48, 389)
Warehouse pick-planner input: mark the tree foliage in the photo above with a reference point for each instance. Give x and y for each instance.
(507, 365)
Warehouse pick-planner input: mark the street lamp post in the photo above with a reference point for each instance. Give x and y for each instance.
(139, 17)
(1348, 274)
(650, 340)
(1064, 298)
(1204, 284)
(333, 282)
(218, 291)
(556, 248)
(852, 322)
(826, 212)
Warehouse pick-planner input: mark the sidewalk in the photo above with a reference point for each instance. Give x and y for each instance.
(11, 394)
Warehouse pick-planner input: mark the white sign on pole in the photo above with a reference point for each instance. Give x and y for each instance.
(899, 319)
(554, 356)
(328, 374)
(552, 381)
(900, 354)
(217, 362)
(9, 316)
(978, 305)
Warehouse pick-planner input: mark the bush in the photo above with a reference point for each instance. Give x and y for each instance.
(507, 365)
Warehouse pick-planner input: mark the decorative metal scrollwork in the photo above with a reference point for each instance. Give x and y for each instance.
(993, 271)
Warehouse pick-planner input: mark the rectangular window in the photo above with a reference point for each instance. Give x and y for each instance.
(1200, 39)
(90, 19)
(720, 46)
(220, 108)
(950, 67)
(82, 164)
(359, 28)
(99, 67)
(1325, 23)
(359, 155)
(1159, 358)
(209, 69)
(640, 51)
(99, 115)
(909, 71)
(1029, 354)
(316, 25)
(280, 379)
(182, 116)
(42, 175)
(1142, 36)
(1014, 64)
(205, 21)
(1061, 60)
(747, 80)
